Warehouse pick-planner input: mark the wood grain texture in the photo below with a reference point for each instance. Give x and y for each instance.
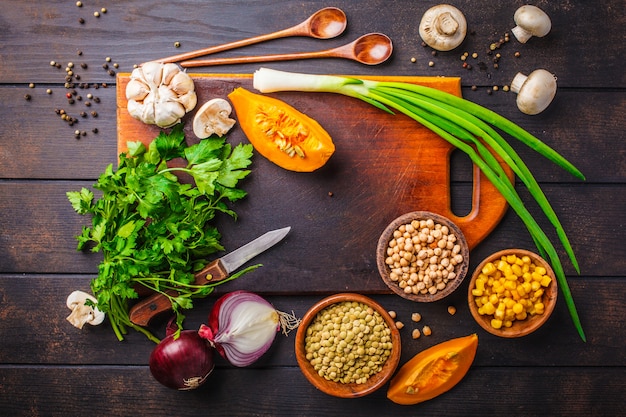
(49, 368)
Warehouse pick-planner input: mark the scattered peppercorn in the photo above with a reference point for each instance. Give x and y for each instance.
(81, 20)
(95, 130)
(48, 91)
(416, 334)
(399, 325)
(431, 64)
(79, 3)
(452, 310)
(177, 44)
(94, 114)
(474, 88)
(31, 85)
(103, 10)
(96, 14)
(517, 54)
(107, 59)
(427, 331)
(27, 97)
(392, 314)
(413, 59)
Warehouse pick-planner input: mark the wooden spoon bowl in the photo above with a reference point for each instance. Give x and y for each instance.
(519, 328)
(385, 271)
(338, 389)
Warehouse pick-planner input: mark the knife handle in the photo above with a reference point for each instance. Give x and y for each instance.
(143, 311)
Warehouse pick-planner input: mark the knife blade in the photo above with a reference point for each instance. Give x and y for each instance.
(143, 311)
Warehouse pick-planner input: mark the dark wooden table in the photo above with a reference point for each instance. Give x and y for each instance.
(48, 367)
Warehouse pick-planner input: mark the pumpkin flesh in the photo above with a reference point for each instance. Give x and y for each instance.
(282, 134)
(433, 371)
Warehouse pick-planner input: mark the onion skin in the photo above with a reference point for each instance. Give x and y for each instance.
(182, 363)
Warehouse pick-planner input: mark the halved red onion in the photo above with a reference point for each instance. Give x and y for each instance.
(242, 326)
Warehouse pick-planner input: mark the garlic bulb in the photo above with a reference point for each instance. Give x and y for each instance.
(160, 94)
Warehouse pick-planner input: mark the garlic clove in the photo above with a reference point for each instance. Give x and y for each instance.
(443, 27)
(181, 83)
(213, 118)
(136, 90)
(151, 73)
(167, 114)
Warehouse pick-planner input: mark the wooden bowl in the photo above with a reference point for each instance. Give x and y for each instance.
(347, 390)
(519, 327)
(385, 271)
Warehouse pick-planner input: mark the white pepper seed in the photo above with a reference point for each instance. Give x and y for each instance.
(96, 14)
(79, 4)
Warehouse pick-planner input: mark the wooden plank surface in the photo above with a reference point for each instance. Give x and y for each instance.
(49, 368)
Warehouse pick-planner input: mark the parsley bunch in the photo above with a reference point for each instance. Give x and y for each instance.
(154, 229)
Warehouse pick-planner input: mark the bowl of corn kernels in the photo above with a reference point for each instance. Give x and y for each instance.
(512, 293)
(347, 345)
(422, 256)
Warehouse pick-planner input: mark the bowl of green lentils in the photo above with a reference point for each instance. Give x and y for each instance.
(347, 345)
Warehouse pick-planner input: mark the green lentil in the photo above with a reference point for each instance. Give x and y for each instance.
(356, 342)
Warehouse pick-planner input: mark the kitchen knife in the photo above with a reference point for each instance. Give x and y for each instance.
(220, 269)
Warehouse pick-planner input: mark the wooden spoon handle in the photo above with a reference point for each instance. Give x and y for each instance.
(256, 58)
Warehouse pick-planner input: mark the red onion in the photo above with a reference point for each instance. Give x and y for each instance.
(182, 362)
(242, 326)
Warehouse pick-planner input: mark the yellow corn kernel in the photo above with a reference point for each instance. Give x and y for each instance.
(493, 299)
(480, 284)
(527, 287)
(537, 276)
(527, 276)
(538, 294)
(484, 299)
(510, 285)
(540, 270)
(517, 270)
(519, 261)
(518, 308)
(509, 302)
(521, 316)
(508, 323)
(545, 281)
(511, 259)
(496, 324)
(526, 259)
(539, 308)
(489, 268)
(535, 285)
(520, 290)
(489, 308)
(499, 314)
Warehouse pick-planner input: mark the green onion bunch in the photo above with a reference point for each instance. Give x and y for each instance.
(470, 128)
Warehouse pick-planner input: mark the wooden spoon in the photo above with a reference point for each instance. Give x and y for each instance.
(326, 23)
(369, 49)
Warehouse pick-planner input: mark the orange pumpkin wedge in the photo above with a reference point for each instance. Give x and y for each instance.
(290, 139)
(433, 371)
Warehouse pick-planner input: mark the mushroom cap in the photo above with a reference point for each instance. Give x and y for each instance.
(530, 21)
(535, 91)
(443, 27)
(213, 117)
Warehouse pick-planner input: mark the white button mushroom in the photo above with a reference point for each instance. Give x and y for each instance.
(531, 21)
(443, 27)
(82, 313)
(535, 91)
(213, 118)
(160, 94)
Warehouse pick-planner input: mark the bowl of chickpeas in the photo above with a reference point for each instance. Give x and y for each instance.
(512, 293)
(347, 345)
(422, 256)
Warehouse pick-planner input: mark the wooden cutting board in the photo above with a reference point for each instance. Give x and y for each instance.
(403, 163)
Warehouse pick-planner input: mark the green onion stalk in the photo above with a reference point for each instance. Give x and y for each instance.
(467, 126)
